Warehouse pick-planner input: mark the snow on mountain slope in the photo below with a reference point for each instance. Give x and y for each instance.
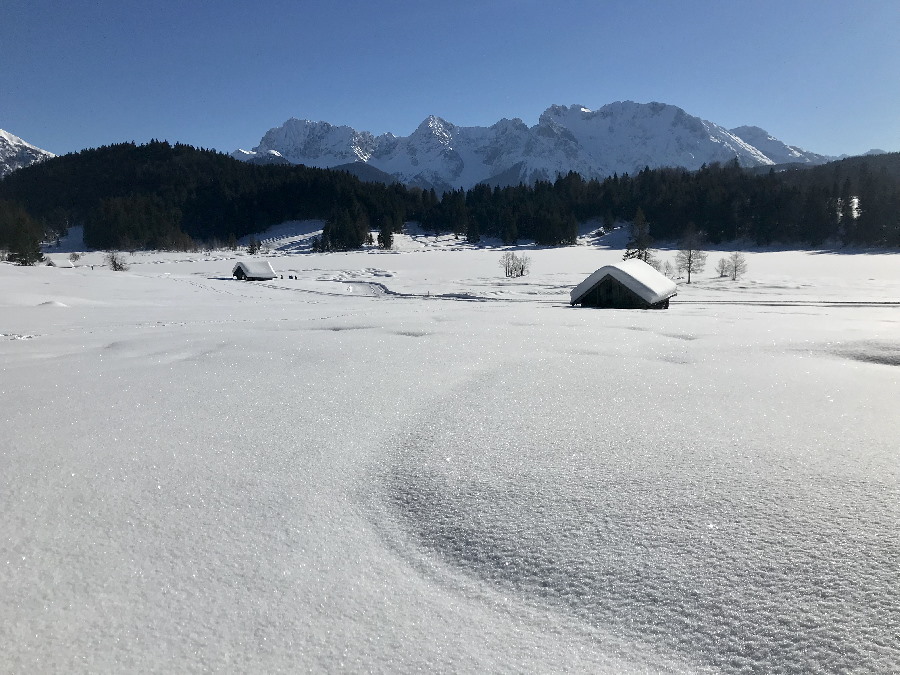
(442, 155)
(621, 137)
(16, 153)
(317, 144)
(778, 152)
(628, 136)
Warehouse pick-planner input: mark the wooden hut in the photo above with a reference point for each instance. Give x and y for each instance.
(630, 284)
(58, 262)
(253, 270)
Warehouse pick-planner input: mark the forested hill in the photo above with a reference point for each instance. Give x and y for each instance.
(162, 196)
(158, 195)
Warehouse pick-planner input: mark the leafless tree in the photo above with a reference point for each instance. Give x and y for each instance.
(115, 261)
(514, 265)
(737, 265)
(690, 258)
(722, 267)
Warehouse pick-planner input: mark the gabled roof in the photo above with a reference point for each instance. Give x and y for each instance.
(256, 269)
(634, 274)
(59, 262)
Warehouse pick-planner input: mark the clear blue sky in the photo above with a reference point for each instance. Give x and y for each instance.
(821, 74)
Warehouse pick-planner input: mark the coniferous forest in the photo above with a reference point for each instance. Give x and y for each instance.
(162, 196)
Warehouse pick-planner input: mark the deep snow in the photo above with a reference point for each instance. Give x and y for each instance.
(405, 461)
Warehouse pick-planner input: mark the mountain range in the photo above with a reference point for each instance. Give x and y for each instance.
(621, 137)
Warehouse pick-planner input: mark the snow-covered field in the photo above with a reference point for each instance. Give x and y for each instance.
(400, 462)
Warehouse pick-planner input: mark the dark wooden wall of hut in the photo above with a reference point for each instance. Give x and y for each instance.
(609, 292)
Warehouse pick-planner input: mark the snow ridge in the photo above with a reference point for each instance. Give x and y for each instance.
(17, 154)
(775, 150)
(621, 137)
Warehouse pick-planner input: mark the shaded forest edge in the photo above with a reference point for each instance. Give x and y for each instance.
(177, 197)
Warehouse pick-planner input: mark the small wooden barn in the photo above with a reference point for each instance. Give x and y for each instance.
(59, 262)
(253, 270)
(630, 284)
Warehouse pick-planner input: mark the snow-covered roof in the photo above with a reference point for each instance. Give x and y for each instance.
(256, 269)
(636, 275)
(59, 262)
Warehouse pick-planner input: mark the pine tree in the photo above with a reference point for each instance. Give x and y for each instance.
(386, 235)
(20, 234)
(639, 244)
(509, 229)
(473, 235)
(25, 249)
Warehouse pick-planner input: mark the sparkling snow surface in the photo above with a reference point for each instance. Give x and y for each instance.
(406, 462)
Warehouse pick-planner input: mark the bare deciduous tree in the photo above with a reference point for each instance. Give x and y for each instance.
(737, 265)
(722, 267)
(115, 261)
(514, 265)
(690, 258)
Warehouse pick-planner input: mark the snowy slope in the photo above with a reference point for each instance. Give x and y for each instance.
(777, 151)
(627, 136)
(16, 153)
(621, 137)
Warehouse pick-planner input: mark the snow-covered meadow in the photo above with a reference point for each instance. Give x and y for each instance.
(404, 461)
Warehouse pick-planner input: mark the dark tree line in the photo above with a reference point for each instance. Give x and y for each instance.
(158, 195)
(175, 197)
(854, 201)
(20, 234)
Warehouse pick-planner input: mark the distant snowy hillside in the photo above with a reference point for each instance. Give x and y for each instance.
(775, 150)
(621, 137)
(16, 153)
(316, 144)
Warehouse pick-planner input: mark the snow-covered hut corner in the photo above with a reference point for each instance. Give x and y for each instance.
(58, 262)
(253, 270)
(630, 284)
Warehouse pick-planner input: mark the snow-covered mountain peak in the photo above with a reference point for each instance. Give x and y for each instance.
(318, 144)
(506, 124)
(670, 114)
(748, 131)
(436, 128)
(560, 114)
(16, 153)
(11, 139)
